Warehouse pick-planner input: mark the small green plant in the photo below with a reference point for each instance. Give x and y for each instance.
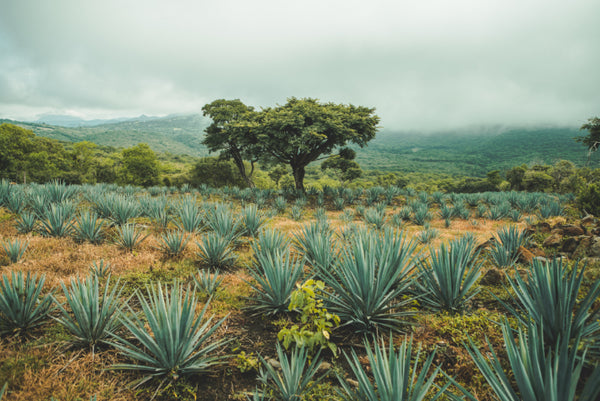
(89, 228)
(173, 243)
(316, 322)
(14, 249)
(215, 251)
(128, 236)
(296, 377)
(208, 282)
(100, 269)
(26, 222)
(247, 362)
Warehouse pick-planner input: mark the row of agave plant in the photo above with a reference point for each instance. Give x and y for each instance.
(496, 205)
(371, 277)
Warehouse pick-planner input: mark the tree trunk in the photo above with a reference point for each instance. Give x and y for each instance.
(298, 172)
(239, 162)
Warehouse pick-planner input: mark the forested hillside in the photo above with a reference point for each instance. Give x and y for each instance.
(469, 152)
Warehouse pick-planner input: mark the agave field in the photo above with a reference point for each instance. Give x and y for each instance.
(123, 293)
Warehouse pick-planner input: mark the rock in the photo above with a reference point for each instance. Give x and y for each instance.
(595, 231)
(582, 248)
(541, 259)
(552, 241)
(324, 367)
(589, 219)
(572, 230)
(353, 383)
(594, 249)
(525, 255)
(543, 227)
(590, 261)
(570, 244)
(274, 363)
(486, 244)
(492, 277)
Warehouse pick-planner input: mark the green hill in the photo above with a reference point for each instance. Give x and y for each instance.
(472, 152)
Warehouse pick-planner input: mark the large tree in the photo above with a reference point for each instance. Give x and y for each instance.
(139, 166)
(230, 134)
(303, 130)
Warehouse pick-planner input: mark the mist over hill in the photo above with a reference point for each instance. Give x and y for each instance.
(470, 151)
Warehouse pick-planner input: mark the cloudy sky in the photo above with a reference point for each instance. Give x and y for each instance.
(424, 64)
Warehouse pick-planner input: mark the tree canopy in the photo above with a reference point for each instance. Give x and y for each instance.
(139, 166)
(230, 134)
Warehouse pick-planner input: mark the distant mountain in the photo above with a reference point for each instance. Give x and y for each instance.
(471, 151)
(178, 134)
(72, 121)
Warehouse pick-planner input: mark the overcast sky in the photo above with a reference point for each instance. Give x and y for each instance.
(424, 64)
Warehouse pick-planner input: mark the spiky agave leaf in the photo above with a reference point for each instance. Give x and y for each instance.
(171, 339)
(552, 299)
(216, 251)
(297, 375)
(89, 227)
(275, 279)
(173, 243)
(394, 376)
(95, 312)
(448, 276)
(539, 374)
(316, 243)
(208, 282)
(369, 278)
(21, 305)
(14, 249)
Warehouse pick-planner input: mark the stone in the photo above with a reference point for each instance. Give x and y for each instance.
(543, 227)
(583, 248)
(569, 245)
(492, 277)
(594, 249)
(589, 219)
(274, 363)
(324, 367)
(572, 230)
(552, 241)
(525, 255)
(353, 383)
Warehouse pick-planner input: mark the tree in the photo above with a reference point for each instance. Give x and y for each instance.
(344, 165)
(16, 144)
(230, 133)
(215, 172)
(139, 166)
(303, 130)
(592, 139)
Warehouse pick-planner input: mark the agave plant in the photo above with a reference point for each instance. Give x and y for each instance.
(173, 243)
(208, 282)
(57, 191)
(421, 214)
(538, 374)
(374, 217)
(551, 298)
(505, 251)
(549, 209)
(22, 307)
(253, 220)
(394, 379)
(296, 213)
(171, 340)
(94, 316)
(14, 249)
(15, 201)
(427, 235)
(57, 220)
(189, 215)
(158, 210)
(215, 251)
(297, 375)
(26, 222)
(369, 278)
(449, 275)
(2, 390)
(119, 209)
(100, 269)
(128, 236)
(280, 204)
(275, 279)
(88, 227)
(316, 243)
(222, 221)
(269, 242)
